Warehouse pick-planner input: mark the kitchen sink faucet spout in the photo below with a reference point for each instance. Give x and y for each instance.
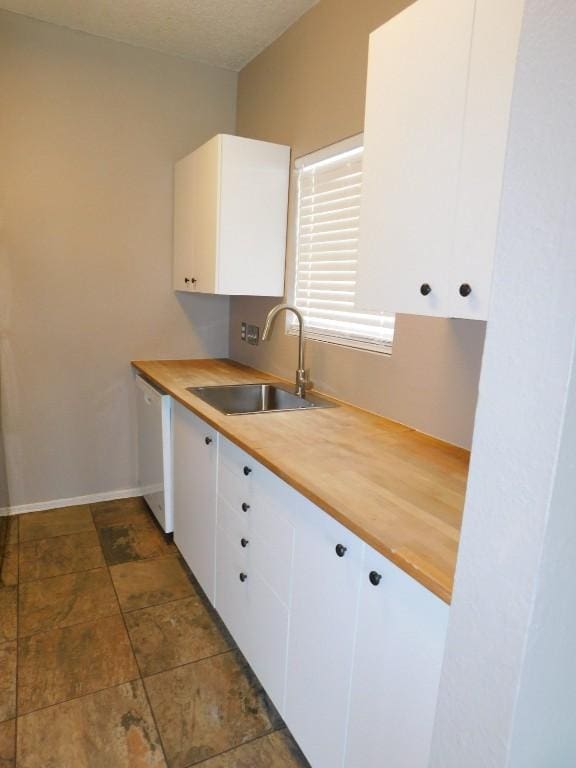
(302, 380)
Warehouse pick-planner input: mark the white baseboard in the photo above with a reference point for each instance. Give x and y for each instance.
(70, 502)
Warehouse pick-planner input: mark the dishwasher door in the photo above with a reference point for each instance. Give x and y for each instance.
(155, 451)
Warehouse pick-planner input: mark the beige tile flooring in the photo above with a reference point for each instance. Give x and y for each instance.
(110, 655)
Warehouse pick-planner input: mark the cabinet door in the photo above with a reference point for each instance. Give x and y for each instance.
(196, 191)
(195, 460)
(320, 645)
(492, 66)
(255, 616)
(397, 662)
(415, 103)
(252, 217)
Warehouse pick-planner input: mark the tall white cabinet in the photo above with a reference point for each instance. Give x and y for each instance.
(440, 77)
(230, 211)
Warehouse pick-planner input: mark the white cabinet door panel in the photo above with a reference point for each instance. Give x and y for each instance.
(397, 664)
(195, 476)
(254, 615)
(196, 195)
(254, 177)
(415, 104)
(492, 66)
(323, 613)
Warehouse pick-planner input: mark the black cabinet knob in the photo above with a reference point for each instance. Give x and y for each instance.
(207, 440)
(247, 471)
(243, 577)
(245, 507)
(375, 578)
(425, 289)
(190, 280)
(465, 290)
(341, 550)
(244, 542)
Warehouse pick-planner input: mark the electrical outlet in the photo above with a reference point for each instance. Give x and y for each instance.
(243, 332)
(252, 334)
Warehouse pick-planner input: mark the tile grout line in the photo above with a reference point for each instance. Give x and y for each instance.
(234, 649)
(68, 626)
(152, 605)
(67, 573)
(238, 746)
(105, 564)
(188, 663)
(141, 678)
(76, 698)
(58, 535)
(170, 669)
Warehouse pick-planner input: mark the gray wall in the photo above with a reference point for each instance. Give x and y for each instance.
(307, 90)
(89, 131)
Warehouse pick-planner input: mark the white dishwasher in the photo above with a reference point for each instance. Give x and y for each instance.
(155, 451)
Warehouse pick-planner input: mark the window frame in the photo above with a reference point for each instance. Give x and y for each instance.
(325, 153)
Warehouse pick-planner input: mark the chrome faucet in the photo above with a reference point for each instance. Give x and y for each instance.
(302, 381)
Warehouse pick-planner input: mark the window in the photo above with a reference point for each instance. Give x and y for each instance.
(329, 187)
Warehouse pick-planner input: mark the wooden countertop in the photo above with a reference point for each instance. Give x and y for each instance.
(399, 490)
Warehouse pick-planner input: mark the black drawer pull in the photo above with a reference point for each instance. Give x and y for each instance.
(247, 471)
(244, 542)
(207, 440)
(375, 578)
(341, 550)
(245, 507)
(243, 577)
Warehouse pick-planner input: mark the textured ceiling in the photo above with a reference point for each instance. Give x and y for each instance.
(225, 33)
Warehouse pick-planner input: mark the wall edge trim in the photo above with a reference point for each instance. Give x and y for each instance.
(72, 501)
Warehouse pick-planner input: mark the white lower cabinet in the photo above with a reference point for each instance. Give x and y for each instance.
(256, 618)
(398, 656)
(195, 474)
(348, 646)
(326, 582)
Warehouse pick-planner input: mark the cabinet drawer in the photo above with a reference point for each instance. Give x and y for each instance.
(268, 538)
(254, 615)
(240, 462)
(235, 488)
(242, 478)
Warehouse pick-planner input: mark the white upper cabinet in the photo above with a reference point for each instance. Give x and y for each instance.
(440, 78)
(230, 211)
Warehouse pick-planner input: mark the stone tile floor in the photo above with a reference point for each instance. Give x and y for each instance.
(110, 655)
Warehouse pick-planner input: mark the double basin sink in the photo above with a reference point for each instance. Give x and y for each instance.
(234, 399)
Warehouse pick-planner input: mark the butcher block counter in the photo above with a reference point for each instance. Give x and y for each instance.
(400, 491)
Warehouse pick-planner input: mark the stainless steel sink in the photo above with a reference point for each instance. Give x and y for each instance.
(235, 399)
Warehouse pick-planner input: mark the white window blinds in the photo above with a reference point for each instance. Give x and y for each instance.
(329, 190)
